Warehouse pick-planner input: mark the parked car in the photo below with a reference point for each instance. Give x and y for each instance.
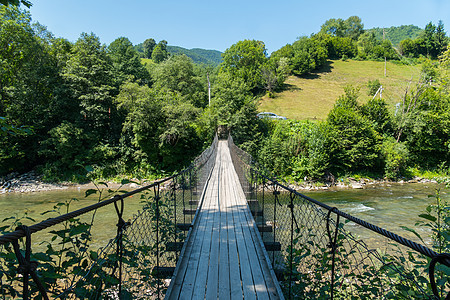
(270, 115)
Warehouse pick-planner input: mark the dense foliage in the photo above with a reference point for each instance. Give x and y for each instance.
(68, 108)
(396, 34)
(368, 138)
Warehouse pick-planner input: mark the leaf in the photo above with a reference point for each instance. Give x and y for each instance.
(413, 231)
(428, 217)
(48, 211)
(103, 183)
(90, 192)
(124, 181)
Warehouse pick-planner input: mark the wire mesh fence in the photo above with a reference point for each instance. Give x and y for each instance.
(316, 253)
(136, 263)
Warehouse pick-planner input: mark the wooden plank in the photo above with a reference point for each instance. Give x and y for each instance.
(203, 234)
(177, 282)
(213, 268)
(201, 279)
(248, 286)
(271, 283)
(236, 291)
(224, 264)
(224, 255)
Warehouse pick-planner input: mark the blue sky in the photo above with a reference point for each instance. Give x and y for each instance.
(219, 24)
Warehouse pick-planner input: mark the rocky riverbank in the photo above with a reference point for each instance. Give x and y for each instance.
(31, 182)
(26, 183)
(352, 183)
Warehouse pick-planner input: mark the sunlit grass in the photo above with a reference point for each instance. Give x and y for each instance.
(313, 96)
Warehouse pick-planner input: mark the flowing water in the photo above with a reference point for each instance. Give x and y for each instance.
(34, 204)
(387, 206)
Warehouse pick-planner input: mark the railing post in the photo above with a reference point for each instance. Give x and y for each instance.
(291, 256)
(26, 266)
(276, 192)
(121, 226)
(157, 212)
(333, 246)
(262, 204)
(174, 191)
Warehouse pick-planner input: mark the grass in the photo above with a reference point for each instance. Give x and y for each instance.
(313, 96)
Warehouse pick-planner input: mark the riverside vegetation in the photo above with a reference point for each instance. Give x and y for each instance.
(84, 110)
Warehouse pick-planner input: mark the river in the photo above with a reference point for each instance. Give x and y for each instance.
(388, 206)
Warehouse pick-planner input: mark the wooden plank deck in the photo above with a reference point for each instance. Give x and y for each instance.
(223, 256)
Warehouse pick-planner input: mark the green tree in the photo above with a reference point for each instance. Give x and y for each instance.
(149, 45)
(353, 27)
(334, 27)
(28, 87)
(177, 74)
(160, 53)
(354, 144)
(126, 61)
(16, 2)
(408, 48)
(244, 60)
(161, 126)
(309, 54)
(376, 110)
(342, 47)
(90, 80)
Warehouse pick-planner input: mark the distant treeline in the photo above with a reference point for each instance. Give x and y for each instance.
(199, 56)
(396, 34)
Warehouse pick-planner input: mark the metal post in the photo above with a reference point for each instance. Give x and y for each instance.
(175, 214)
(333, 246)
(274, 226)
(121, 226)
(156, 191)
(291, 206)
(26, 266)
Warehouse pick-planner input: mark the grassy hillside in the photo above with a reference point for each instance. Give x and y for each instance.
(313, 96)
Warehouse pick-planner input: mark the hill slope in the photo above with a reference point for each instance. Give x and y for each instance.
(398, 33)
(199, 56)
(313, 96)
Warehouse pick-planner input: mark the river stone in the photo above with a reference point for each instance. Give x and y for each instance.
(357, 186)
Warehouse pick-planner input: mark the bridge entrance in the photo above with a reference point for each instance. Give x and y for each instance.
(223, 257)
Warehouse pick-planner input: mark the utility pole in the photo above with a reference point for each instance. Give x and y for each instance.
(384, 54)
(209, 89)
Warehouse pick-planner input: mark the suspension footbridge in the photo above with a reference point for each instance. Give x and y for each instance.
(220, 229)
(224, 257)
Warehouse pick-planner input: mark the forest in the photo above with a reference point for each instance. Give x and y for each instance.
(82, 110)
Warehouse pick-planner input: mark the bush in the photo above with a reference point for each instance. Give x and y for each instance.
(354, 143)
(373, 86)
(395, 156)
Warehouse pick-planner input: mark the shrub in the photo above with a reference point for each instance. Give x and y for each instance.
(395, 156)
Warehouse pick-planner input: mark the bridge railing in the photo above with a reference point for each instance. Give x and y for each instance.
(317, 254)
(135, 262)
